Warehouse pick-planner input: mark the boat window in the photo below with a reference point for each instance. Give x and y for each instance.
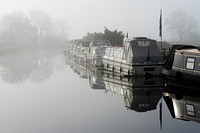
(190, 63)
(93, 52)
(111, 53)
(124, 55)
(118, 54)
(115, 53)
(106, 52)
(143, 43)
(121, 54)
(99, 52)
(190, 110)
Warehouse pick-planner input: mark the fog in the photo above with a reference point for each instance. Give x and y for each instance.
(44, 89)
(137, 17)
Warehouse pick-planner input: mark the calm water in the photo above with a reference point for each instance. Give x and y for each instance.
(41, 91)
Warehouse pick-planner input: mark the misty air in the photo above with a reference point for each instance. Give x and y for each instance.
(87, 66)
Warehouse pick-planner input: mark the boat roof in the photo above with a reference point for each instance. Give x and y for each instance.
(140, 39)
(170, 58)
(189, 51)
(115, 49)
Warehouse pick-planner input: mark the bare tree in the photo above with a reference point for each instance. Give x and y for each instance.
(49, 28)
(42, 21)
(16, 28)
(181, 24)
(38, 29)
(60, 29)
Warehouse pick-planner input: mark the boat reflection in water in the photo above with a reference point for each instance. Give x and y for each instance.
(140, 94)
(183, 103)
(82, 71)
(95, 79)
(144, 98)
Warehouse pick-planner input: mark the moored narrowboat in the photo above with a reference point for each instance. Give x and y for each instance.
(183, 63)
(138, 57)
(82, 51)
(96, 51)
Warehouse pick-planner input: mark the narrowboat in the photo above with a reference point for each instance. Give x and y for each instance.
(96, 51)
(139, 56)
(82, 51)
(183, 63)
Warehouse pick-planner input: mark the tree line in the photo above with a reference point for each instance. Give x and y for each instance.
(37, 28)
(115, 37)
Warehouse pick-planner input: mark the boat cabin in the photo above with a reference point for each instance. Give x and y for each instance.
(141, 50)
(183, 63)
(96, 50)
(99, 43)
(139, 56)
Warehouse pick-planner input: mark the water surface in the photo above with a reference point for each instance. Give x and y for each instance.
(41, 91)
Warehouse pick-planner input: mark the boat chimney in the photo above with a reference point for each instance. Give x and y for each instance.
(127, 35)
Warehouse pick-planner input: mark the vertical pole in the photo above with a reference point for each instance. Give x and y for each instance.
(160, 112)
(160, 28)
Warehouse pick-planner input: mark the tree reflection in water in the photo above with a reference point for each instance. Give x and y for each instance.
(36, 65)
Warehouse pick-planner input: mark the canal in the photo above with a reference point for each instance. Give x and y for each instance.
(42, 91)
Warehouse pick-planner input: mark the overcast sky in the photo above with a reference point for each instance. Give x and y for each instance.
(137, 17)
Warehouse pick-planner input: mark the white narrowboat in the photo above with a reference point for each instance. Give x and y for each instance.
(96, 51)
(83, 50)
(138, 57)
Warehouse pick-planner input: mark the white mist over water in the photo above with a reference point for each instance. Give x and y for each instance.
(137, 17)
